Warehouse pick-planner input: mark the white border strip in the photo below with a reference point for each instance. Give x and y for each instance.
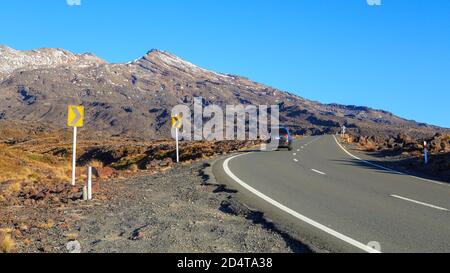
(420, 203)
(294, 213)
(384, 168)
(319, 172)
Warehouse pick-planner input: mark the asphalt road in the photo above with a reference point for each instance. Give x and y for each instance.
(337, 196)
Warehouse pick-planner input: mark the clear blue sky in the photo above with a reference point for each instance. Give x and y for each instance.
(394, 57)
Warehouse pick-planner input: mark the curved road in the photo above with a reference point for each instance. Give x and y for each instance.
(337, 195)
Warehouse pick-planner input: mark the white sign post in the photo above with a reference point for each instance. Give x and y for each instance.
(425, 152)
(89, 186)
(75, 119)
(177, 123)
(178, 148)
(74, 156)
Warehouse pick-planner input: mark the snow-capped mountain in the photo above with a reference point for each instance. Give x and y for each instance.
(136, 98)
(13, 60)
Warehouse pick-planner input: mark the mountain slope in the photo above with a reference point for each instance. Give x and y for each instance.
(136, 98)
(12, 60)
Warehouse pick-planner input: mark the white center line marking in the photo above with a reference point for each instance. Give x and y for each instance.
(420, 203)
(295, 214)
(298, 150)
(295, 159)
(319, 172)
(294, 154)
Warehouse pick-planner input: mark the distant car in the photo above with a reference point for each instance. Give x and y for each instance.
(284, 139)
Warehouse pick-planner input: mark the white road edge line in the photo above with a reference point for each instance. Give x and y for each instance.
(384, 168)
(319, 172)
(420, 203)
(297, 215)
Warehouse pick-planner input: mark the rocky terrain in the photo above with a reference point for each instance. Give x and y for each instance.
(136, 98)
(407, 152)
(181, 210)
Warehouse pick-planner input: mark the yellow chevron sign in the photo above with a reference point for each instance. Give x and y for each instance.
(177, 121)
(75, 117)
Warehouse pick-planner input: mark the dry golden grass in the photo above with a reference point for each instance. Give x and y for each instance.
(20, 165)
(50, 224)
(32, 155)
(71, 236)
(97, 164)
(134, 168)
(14, 188)
(11, 167)
(127, 161)
(6, 230)
(28, 154)
(7, 243)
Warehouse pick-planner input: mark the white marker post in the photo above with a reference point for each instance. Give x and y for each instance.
(75, 119)
(177, 124)
(74, 156)
(85, 194)
(89, 189)
(425, 152)
(178, 149)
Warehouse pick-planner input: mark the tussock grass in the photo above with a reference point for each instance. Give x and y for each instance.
(6, 230)
(97, 164)
(128, 162)
(71, 236)
(7, 243)
(133, 168)
(48, 225)
(20, 165)
(14, 188)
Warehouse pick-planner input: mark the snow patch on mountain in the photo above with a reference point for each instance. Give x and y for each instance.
(170, 60)
(12, 60)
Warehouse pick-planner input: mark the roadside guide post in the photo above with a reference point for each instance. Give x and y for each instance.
(177, 124)
(89, 185)
(425, 152)
(75, 119)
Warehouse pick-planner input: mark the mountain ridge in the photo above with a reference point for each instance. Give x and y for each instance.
(136, 97)
(13, 60)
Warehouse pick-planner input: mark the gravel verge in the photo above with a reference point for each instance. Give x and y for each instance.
(181, 210)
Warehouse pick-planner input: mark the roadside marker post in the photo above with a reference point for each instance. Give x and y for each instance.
(425, 152)
(85, 194)
(178, 148)
(343, 130)
(177, 123)
(75, 119)
(89, 185)
(74, 156)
